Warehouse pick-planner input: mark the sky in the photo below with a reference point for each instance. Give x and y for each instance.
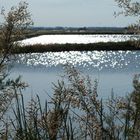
(73, 13)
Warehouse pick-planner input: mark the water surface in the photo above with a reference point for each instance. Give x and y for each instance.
(78, 39)
(113, 69)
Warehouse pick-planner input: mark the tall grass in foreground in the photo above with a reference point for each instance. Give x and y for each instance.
(73, 112)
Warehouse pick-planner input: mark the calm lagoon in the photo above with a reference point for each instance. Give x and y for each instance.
(113, 69)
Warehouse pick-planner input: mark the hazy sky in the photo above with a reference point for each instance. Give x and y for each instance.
(75, 13)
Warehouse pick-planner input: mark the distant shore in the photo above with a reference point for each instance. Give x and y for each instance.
(36, 31)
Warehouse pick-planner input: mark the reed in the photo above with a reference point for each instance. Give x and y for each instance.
(74, 111)
(39, 48)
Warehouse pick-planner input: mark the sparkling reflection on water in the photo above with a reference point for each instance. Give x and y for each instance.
(100, 60)
(84, 39)
(113, 69)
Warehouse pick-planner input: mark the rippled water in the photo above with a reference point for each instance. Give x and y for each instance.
(113, 69)
(78, 39)
(99, 60)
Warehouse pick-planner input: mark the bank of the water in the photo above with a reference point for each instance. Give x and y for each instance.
(102, 46)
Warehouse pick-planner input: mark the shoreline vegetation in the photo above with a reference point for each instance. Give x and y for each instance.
(73, 112)
(101, 46)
